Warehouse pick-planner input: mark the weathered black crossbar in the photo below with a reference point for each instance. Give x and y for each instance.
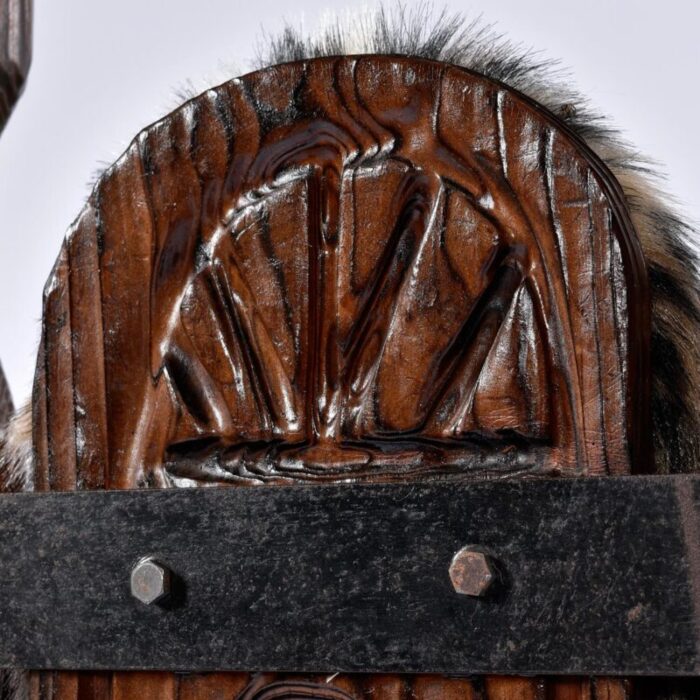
(594, 576)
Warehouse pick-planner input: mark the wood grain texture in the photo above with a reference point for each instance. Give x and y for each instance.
(371, 268)
(284, 282)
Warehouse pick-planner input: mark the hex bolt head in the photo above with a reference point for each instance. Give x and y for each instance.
(472, 572)
(150, 581)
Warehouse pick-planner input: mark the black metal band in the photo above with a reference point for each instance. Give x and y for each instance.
(595, 576)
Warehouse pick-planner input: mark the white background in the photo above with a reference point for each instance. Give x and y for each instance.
(104, 69)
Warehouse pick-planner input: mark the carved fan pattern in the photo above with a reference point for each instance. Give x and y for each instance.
(281, 281)
(286, 384)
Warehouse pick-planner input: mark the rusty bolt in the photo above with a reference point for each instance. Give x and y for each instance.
(472, 572)
(150, 581)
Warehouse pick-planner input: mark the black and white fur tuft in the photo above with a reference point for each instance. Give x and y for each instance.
(16, 462)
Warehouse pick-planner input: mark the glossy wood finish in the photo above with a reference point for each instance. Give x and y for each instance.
(230, 686)
(284, 282)
(360, 268)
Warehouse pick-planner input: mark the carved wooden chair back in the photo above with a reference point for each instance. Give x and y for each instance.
(359, 268)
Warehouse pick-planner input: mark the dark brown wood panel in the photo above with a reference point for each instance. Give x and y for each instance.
(428, 284)
(371, 268)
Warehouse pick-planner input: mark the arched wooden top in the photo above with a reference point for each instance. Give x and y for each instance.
(347, 268)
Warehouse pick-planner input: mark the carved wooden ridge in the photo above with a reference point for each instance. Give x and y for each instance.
(355, 268)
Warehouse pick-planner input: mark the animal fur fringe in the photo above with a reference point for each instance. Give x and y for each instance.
(16, 462)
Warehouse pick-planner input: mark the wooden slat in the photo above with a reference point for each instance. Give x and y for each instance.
(88, 368)
(129, 686)
(507, 688)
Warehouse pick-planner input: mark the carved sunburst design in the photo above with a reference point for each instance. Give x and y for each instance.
(411, 273)
(338, 328)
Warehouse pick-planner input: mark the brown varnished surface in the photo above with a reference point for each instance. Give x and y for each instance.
(242, 686)
(372, 269)
(412, 274)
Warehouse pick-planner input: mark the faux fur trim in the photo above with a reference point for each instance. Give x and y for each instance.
(16, 458)
(15, 449)
(665, 238)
